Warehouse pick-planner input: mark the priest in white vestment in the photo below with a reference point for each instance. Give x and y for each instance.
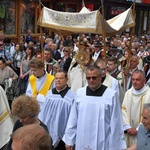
(134, 61)
(6, 122)
(56, 109)
(95, 121)
(132, 105)
(76, 72)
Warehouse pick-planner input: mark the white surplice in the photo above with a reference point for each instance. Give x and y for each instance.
(132, 108)
(95, 122)
(55, 114)
(39, 84)
(110, 82)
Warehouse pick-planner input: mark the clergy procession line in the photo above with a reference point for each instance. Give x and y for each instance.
(78, 98)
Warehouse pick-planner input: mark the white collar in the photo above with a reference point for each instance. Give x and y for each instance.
(61, 89)
(131, 71)
(111, 72)
(98, 52)
(138, 92)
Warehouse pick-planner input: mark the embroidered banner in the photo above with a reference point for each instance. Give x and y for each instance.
(85, 21)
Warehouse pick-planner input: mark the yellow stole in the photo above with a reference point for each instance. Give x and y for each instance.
(45, 88)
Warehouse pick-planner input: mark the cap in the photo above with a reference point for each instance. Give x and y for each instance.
(98, 44)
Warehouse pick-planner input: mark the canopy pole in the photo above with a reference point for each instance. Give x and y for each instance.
(131, 34)
(103, 30)
(126, 69)
(41, 35)
(42, 43)
(83, 4)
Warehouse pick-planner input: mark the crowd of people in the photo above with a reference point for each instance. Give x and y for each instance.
(82, 98)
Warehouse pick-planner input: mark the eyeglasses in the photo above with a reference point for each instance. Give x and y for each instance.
(93, 78)
(65, 51)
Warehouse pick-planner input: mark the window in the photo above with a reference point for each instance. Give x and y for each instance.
(7, 16)
(27, 16)
(140, 31)
(148, 24)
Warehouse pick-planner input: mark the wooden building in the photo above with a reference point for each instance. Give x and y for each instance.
(16, 16)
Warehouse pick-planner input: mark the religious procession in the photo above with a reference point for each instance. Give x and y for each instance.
(84, 87)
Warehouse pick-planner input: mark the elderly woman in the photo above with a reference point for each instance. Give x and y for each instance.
(6, 72)
(8, 80)
(26, 109)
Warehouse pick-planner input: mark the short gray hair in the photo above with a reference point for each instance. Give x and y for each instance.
(99, 61)
(135, 56)
(147, 106)
(139, 71)
(49, 50)
(93, 67)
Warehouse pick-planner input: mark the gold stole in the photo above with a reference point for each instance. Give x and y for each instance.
(45, 88)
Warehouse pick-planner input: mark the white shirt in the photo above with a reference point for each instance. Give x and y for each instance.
(96, 54)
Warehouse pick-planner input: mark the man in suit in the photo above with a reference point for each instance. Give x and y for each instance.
(51, 65)
(146, 69)
(29, 37)
(56, 53)
(98, 51)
